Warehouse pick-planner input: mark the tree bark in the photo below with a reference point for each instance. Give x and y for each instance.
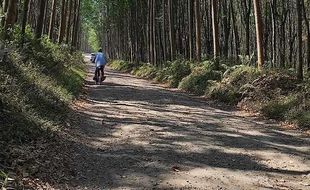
(259, 34)
(190, 28)
(216, 46)
(52, 20)
(11, 15)
(198, 30)
(62, 22)
(24, 21)
(299, 41)
(171, 29)
(40, 23)
(68, 28)
(307, 22)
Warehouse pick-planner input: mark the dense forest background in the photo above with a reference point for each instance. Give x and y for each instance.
(157, 31)
(58, 20)
(245, 55)
(248, 53)
(230, 51)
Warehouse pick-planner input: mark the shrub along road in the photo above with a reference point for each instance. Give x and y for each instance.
(133, 134)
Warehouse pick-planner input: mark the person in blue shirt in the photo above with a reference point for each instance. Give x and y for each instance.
(100, 62)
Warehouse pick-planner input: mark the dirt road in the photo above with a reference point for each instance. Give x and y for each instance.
(132, 134)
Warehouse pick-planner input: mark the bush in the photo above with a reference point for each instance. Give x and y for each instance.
(303, 119)
(163, 75)
(145, 71)
(280, 108)
(240, 75)
(123, 66)
(200, 78)
(224, 93)
(176, 71)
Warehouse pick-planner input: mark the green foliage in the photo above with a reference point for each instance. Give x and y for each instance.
(200, 78)
(224, 93)
(124, 66)
(235, 82)
(280, 108)
(37, 85)
(240, 75)
(303, 119)
(145, 71)
(177, 71)
(174, 72)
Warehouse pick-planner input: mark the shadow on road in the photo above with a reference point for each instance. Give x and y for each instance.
(130, 133)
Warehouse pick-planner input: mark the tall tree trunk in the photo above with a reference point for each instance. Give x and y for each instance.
(5, 6)
(198, 30)
(236, 33)
(299, 40)
(45, 20)
(76, 24)
(190, 28)
(68, 28)
(259, 34)
(24, 21)
(40, 23)
(226, 27)
(154, 31)
(62, 22)
(52, 20)
(171, 29)
(273, 6)
(11, 15)
(216, 43)
(307, 22)
(246, 4)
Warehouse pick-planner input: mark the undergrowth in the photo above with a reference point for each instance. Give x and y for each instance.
(275, 94)
(37, 84)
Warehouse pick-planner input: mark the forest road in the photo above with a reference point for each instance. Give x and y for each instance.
(133, 134)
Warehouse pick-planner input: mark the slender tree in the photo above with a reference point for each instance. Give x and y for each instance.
(216, 44)
(171, 29)
(299, 40)
(52, 19)
(40, 23)
(259, 34)
(11, 14)
(198, 30)
(62, 22)
(24, 22)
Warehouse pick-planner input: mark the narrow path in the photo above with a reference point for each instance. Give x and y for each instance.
(132, 134)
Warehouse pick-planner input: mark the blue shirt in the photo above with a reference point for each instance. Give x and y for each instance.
(100, 59)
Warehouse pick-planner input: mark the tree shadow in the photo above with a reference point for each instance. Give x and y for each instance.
(135, 131)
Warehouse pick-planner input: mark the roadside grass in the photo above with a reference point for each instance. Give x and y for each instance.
(276, 94)
(37, 85)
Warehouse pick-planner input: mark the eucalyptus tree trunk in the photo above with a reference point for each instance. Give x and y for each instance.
(198, 30)
(216, 43)
(52, 20)
(259, 34)
(299, 40)
(62, 22)
(11, 15)
(24, 21)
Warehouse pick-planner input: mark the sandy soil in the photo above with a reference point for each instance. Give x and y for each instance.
(133, 134)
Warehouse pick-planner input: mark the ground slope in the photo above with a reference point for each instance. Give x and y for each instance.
(132, 134)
